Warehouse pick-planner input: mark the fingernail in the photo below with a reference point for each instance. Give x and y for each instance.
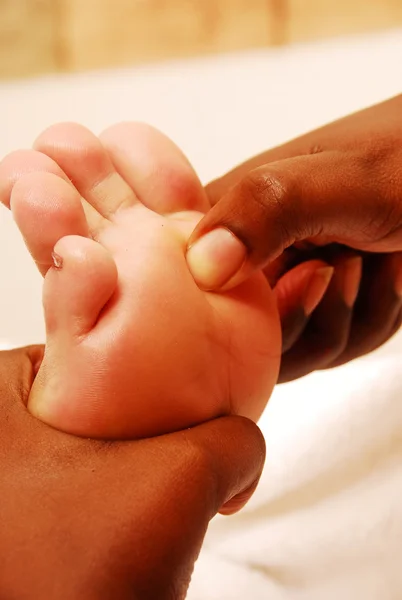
(316, 288)
(352, 273)
(215, 258)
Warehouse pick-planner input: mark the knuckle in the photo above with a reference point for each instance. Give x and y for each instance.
(264, 188)
(380, 164)
(380, 148)
(274, 197)
(315, 149)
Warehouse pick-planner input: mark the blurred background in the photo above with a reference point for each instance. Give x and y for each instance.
(42, 36)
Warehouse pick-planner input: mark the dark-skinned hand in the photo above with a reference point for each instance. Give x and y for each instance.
(92, 520)
(334, 196)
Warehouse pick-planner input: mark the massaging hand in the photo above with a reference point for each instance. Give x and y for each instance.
(101, 520)
(335, 195)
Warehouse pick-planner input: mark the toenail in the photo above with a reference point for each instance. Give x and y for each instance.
(57, 260)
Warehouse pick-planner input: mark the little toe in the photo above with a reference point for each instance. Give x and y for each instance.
(155, 168)
(84, 159)
(46, 208)
(76, 289)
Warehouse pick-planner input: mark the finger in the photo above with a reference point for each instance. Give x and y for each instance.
(377, 308)
(218, 188)
(326, 335)
(125, 510)
(395, 327)
(187, 477)
(298, 293)
(289, 259)
(235, 478)
(339, 195)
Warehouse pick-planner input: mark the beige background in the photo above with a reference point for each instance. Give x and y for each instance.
(38, 36)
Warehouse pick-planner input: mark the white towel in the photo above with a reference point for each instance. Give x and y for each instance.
(326, 521)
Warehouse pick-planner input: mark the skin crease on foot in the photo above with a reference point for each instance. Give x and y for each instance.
(134, 348)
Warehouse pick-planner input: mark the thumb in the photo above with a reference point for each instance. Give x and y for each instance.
(233, 454)
(190, 476)
(337, 196)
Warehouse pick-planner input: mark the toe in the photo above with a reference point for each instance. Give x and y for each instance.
(20, 163)
(155, 168)
(46, 208)
(83, 158)
(76, 289)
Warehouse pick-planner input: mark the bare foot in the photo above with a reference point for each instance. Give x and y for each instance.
(134, 348)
